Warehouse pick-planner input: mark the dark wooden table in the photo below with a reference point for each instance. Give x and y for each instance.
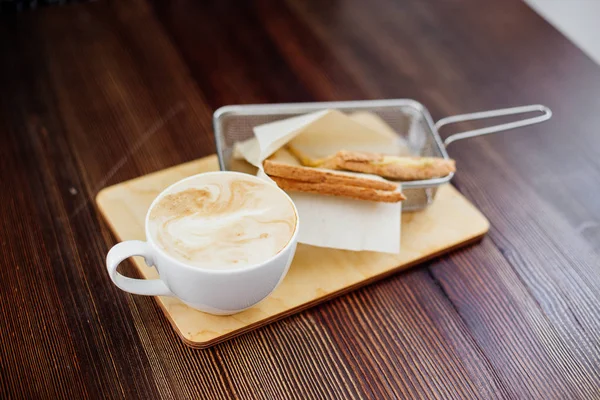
(98, 93)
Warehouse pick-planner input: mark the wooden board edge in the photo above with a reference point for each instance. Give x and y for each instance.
(225, 337)
(104, 192)
(101, 207)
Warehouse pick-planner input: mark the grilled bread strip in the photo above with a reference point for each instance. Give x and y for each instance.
(317, 175)
(353, 192)
(393, 167)
(400, 168)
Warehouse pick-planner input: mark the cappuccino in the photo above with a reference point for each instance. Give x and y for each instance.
(222, 221)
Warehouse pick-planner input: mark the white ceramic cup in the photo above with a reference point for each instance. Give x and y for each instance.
(215, 291)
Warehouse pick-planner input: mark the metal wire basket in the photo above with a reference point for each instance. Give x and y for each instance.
(409, 118)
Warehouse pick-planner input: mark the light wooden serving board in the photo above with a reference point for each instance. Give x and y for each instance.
(316, 274)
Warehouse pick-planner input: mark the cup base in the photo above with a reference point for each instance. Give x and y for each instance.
(214, 311)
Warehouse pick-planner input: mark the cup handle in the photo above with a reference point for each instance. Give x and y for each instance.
(124, 250)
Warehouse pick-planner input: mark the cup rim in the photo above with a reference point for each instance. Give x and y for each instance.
(227, 271)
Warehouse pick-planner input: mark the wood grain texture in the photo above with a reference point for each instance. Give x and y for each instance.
(316, 274)
(99, 93)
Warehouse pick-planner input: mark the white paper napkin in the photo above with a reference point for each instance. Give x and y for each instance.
(330, 221)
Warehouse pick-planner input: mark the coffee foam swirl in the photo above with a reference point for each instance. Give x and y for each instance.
(221, 221)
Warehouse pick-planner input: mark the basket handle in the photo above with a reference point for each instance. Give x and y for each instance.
(546, 114)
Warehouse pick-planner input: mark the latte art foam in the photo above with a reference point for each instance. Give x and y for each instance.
(221, 221)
